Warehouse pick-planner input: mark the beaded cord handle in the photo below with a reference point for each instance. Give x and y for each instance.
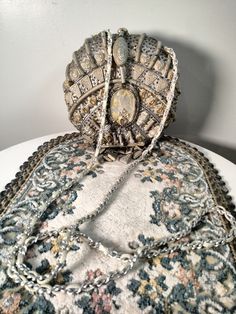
(40, 283)
(156, 248)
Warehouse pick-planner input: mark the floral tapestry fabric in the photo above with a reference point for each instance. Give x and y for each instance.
(159, 198)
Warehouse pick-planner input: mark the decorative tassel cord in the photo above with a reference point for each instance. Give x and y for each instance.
(37, 283)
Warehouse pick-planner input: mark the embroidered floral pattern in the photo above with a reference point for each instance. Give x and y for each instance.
(171, 189)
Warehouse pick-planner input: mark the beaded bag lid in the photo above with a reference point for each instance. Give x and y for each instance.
(142, 84)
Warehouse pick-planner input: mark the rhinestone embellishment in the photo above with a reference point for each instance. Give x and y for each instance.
(123, 106)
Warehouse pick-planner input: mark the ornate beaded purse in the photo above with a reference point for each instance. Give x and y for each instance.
(142, 87)
(117, 217)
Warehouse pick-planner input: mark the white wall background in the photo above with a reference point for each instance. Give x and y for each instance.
(37, 38)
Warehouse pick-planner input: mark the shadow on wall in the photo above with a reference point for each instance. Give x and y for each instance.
(197, 84)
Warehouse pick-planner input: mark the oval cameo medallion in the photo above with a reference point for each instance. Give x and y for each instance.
(123, 106)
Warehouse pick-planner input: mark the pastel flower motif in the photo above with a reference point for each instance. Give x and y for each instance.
(170, 167)
(93, 274)
(149, 172)
(186, 276)
(171, 209)
(56, 244)
(71, 174)
(155, 174)
(168, 181)
(74, 159)
(149, 290)
(9, 304)
(100, 300)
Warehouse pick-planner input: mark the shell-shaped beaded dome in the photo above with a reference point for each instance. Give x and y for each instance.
(143, 81)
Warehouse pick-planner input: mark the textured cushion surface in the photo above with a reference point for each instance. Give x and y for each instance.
(160, 197)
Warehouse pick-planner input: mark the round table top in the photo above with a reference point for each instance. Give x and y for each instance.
(13, 157)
